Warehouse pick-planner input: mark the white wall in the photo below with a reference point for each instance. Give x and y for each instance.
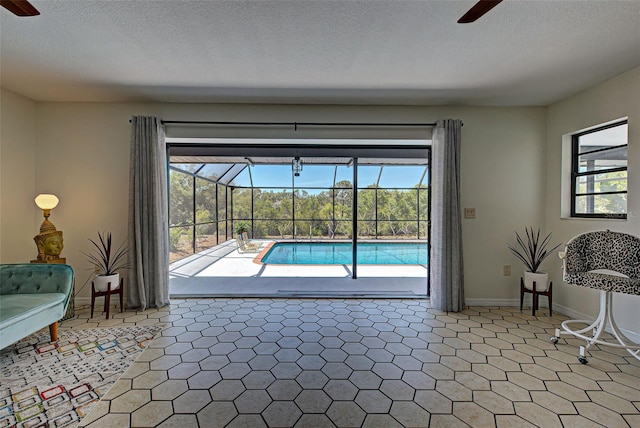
(19, 216)
(616, 98)
(83, 156)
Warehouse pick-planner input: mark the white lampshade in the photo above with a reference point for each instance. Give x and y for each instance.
(46, 202)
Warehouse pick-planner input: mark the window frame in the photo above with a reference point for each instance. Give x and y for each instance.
(575, 172)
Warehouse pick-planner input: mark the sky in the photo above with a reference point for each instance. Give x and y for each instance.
(266, 176)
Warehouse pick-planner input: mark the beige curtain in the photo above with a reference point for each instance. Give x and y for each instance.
(446, 267)
(148, 215)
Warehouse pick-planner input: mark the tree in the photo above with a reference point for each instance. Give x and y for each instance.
(180, 198)
(322, 213)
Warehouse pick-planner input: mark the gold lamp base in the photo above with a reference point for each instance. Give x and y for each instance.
(61, 261)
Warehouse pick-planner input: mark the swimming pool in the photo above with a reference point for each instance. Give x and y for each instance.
(332, 253)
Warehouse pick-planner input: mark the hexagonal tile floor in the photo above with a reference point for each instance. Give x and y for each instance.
(362, 363)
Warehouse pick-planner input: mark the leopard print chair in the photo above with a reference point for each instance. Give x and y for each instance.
(606, 261)
(591, 255)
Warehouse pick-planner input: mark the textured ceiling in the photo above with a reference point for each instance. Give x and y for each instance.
(350, 52)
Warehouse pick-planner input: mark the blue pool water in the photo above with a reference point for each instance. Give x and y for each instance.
(332, 253)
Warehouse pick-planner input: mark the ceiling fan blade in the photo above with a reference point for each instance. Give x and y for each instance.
(19, 7)
(479, 9)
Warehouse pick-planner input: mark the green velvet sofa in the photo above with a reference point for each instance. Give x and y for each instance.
(33, 296)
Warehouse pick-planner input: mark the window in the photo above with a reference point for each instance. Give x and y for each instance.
(599, 172)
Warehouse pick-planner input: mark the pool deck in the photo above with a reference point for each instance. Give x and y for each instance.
(222, 271)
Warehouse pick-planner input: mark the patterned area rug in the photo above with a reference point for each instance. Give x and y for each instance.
(45, 384)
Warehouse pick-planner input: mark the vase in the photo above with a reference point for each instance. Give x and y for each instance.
(541, 279)
(104, 282)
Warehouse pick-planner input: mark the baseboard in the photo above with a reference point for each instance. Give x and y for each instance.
(572, 313)
(507, 302)
(493, 302)
(84, 301)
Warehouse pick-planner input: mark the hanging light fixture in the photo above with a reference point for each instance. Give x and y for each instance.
(296, 166)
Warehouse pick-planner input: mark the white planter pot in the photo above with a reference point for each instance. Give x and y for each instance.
(104, 282)
(541, 279)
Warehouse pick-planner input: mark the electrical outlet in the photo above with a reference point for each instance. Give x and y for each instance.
(506, 270)
(469, 213)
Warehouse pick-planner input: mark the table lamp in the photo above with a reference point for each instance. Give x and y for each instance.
(49, 241)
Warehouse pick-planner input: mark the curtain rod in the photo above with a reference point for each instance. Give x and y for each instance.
(296, 124)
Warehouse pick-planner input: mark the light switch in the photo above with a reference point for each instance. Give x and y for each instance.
(469, 213)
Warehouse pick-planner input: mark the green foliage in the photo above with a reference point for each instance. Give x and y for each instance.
(205, 201)
(319, 213)
(175, 235)
(534, 251)
(180, 198)
(105, 258)
(242, 227)
(605, 203)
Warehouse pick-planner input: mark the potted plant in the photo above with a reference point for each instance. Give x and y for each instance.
(106, 261)
(242, 227)
(532, 253)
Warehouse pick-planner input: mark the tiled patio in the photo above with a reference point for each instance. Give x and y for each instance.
(362, 363)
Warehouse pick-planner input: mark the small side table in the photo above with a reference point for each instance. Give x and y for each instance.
(107, 296)
(536, 296)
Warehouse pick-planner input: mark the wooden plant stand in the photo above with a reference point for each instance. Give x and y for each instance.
(107, 296)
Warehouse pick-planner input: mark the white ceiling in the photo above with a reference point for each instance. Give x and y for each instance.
(344, 52)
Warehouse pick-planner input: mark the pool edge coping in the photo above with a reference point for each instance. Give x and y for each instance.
(258, 258)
